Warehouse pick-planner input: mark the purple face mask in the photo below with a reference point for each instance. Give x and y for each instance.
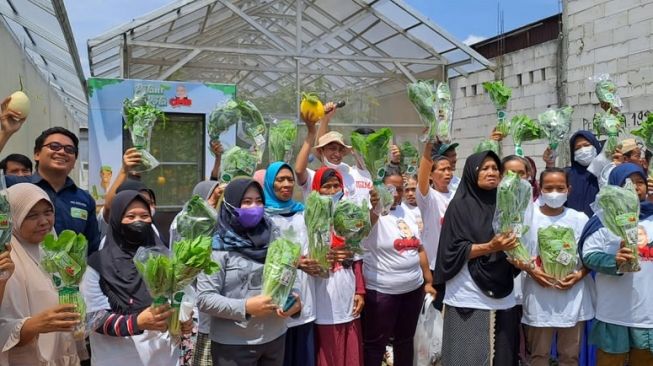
(250, 217)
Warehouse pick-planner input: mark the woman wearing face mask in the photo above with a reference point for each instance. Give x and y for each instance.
(479, 279)
(623, 327)
(35, 328)
(286, 214)
(130, 331)
(397, 271)
(584, 147)
(340, 296)
(247, 328)
(555, 308)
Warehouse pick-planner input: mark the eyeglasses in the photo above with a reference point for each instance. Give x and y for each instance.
(68, 149)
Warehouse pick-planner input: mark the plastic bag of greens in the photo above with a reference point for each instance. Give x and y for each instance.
(65, 259)
(351, 220)
(489, 145)
(499, 95)
(148, 162)
(645, 131)
(387, 195)
(318, 217)
(618, 210)
(374, 150)
(409, 158)
(610, 125)
(190, 257)
(523, 128)
(555, 125)
(6, 224)
(514, 198)
(421, 96)
(251, 127)
(558, 250)
(281, 140)
(221, 118)
(237, 161)
(197, 218)
(155, 266)
(280, 269)
(444, 109)
(140, 116)
(606, 91)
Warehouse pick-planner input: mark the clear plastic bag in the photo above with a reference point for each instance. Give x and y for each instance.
(610, 125)
(148, 162)
(427, 342)
(555, 125)
(351, 220)
(421, 96)
(606, 91)
(182, 309)
(281, 140)
(444, 112)
(6, 224)
(280, 269)
(237, 161)
(196, 218)
(252, 128)
(387, 195)
(155, 266)
(409, 157)
(222, 118)
(513, 209)
(317, 217)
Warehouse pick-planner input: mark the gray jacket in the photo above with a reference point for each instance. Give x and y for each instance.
(223, 295)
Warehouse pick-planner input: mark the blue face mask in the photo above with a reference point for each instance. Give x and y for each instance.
(249, 217)
(336, 197)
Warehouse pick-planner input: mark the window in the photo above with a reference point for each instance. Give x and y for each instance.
(519, 81)
(474, 89)
(543, 72)
(531, 77)
(464, 91)
(179, 147)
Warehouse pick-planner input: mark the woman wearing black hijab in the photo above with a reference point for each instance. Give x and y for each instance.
(247, 328)
(478, 277)
(129, 331)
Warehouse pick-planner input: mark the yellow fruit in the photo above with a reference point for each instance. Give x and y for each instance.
(311, 108)
(161, 180)
(19, 103)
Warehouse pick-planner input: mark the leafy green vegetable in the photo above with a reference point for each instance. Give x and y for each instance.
(352, 222)
(606, 91)
(236, 162)
(610, 125)
(222, 118)
(444, 106)
(6, 224)
(317, 217)
(374, 149)
(513, 197)
(251, 127)
(140, 116)
(409, 158)
(196, 219)
(386, 198)
(555, 124)
(282, 140)
(155, 267)
(421, 96)
(620, 214)
(645, 131)
(522, 128)
(489, 145)
(499, 93)
(280, 269)
(557, 247)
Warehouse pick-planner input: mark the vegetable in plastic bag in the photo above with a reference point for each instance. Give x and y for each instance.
(251, 127)
(318, 217)
(148, 162)
(281, 140)
(155, 267)
(140, 117)
(196, 219)
(489, 145)
(555, 125)
(606, 91)
(645, 131)
(499, 95)
(514, 196)
(374, 150)
(523, 128)
(6, 222)
(237, 161)
(280, 268)
(409, 158)
(558, 250)
(618, 210)
(444, 116)
(222, 118)
(610, 125)
(421, 96)
(351, 221)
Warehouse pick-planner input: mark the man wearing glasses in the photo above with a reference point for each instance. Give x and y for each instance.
(55, 153)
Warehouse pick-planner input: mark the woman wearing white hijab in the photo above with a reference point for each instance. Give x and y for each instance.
(36, 330)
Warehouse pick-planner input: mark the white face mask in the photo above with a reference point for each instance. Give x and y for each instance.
(339, 167)
(554, 199)
(585, 155)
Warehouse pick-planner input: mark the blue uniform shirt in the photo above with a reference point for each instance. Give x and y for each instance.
(74, 208)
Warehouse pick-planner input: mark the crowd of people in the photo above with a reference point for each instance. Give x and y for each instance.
(438, 239)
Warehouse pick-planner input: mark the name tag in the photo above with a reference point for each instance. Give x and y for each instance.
(78, 213)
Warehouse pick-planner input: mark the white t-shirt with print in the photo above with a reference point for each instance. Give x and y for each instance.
(357, 182)
(550, 307)
(334, 297)
(417, 215)
(303, 281)
(390, 254)
(433, 207)
(627, 299)
(453, 185)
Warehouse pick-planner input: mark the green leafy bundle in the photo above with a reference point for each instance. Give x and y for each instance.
(513, 198)
(374, 149)
(155, 266)
(499, 94)
(222, 118)
(317, 217)
(523, 128)
(140, 116)
(645, 131)
(610, 125)
(280, 269)
(409, 158)
(444, 106)
(555, 124)
(281, 140)
(489, 145)
(238, 162)
(352, 222)
(606, 91)
(6, 224)
(557, 247)
(196, 219)
(620, 214)
(421, 96)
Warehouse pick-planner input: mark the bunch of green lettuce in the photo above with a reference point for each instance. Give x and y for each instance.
(280, 269)
(619, 212)
(237, 161)
(523, 128)
(444, 106)
(489, 145)
(513, 198)
(196, 219)
(499, 95)
(374, 150)
(352, 222)
(251, 127)
(645, 131)
(140, 117)
(555, 124)
(155, 267)
(421, 96)
(222, 118)
(317, 217)
(281, 140)
(606, 91)
(610, 125)
(409, 158)
(557, 247)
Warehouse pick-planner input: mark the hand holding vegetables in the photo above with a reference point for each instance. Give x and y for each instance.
(514, 195)
(154, 318)
(260, 306)
(280, 269)
(59, 318)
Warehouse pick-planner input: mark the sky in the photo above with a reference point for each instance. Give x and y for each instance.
(470, 21)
